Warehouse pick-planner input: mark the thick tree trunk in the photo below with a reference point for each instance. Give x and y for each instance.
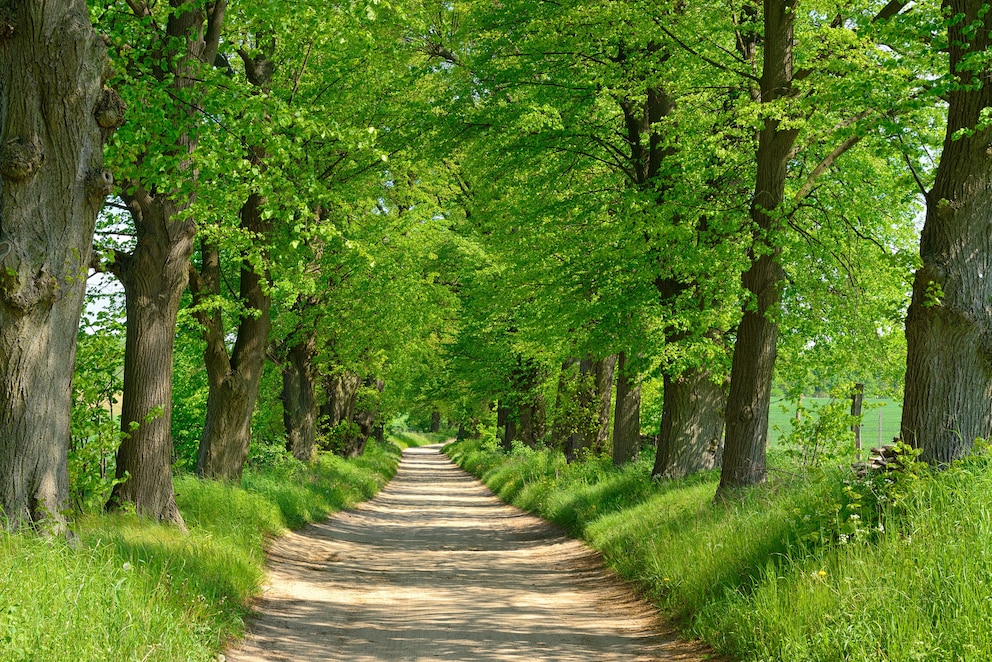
(532, 421)
(54, 117)
(627, 416)
(299, 400)
(435, 421)
(754, 353)
(341, 390)
(691, 435)
(509, 433)
(154, 277)
(155, 274)
(603, 371)
(586, 423)
(948, 399)
(560, 428)
(233, 378)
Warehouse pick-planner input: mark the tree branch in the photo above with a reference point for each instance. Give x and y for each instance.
(705, 59)
(889, 10)
(215, 22)
(299, 74)
(912, 170)
(822, 166)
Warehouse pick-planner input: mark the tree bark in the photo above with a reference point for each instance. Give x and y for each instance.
(54, 117)
(532, 421)
(948, 398)
(627, 416)
(435, 421)
(603, 371)
(155, 275)
(341, 390)
(691, 435)
(502, 422)
(153, 285)
(744, 461)
(233, 377)
(299, 400)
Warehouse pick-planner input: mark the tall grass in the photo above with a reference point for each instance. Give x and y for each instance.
(756, 578)
(129, 589)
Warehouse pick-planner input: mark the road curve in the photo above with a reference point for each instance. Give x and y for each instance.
(437, 568)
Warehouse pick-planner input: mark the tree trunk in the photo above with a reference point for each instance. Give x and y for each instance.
(502, 418)
(691, 436)
(299, 400)
(435, 421)
(603, 371)
(341, 390)
(155, 274)
(233, 377)
(627, 416)
(509, 433)
(54, 119)
(154, 277)
(532, 419)
(948, 399)
(754, 353)
(560, 428)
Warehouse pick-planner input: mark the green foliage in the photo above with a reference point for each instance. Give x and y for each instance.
(577, 410)
(95, 426)
(134, 590)
(338, 438)
(821, 433)
(189, 397)
(404, 440)
(867, 501)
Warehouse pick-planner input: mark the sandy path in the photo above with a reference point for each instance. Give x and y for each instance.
(437, 568)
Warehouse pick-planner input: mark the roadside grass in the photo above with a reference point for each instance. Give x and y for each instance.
(766, 575)
(129, 589)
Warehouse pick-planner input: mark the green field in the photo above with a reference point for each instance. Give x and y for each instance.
(880, 418)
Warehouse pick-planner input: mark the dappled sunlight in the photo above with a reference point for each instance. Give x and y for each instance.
(437, 568)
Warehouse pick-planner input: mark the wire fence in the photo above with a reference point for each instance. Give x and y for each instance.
(879, 422)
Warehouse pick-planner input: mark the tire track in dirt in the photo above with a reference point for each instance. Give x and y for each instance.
(437, 568)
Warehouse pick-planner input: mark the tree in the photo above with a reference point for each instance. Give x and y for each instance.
(809, 119)
(234, 375)
(155, 271)
(948, 401)
(56, 115)
(757, 333)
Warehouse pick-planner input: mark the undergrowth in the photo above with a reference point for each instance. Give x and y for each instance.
(820, 566)
(129, 589)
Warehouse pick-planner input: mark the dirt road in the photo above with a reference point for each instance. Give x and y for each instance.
(437, 568)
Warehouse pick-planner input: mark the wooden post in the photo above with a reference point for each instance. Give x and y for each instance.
(857, 398)
(799, 409)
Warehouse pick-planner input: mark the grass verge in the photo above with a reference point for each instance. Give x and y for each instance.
(788, 571)
(134, 590)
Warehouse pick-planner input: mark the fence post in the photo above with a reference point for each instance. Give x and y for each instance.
(857, 397)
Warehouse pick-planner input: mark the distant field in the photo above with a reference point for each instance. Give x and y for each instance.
(879, 423)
